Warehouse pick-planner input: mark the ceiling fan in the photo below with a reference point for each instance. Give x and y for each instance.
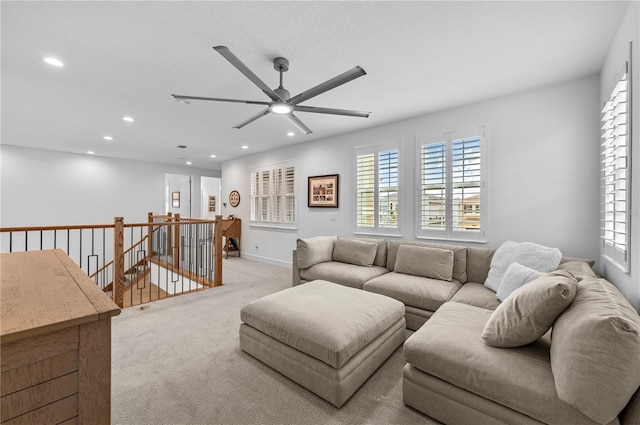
(281, 102)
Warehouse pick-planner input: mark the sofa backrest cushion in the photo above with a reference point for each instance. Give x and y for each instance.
(381, 252)
(529, 312)
(537, 257)
(579, 268)
(425, 261)
(515, 276)
(478, 263)
(353, 251)
(595, 347)
(312, 251)
(459, 256)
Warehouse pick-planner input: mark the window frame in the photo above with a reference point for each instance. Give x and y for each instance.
(447, 232)
(609, 148)
(273, 194)
(377, 229)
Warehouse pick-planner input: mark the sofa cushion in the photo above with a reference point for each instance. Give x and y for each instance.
(424, 261)
(581, 269)
(381, 252)
(415, 291)
(537, 257)
(474, 293)
(529, 312)
(515, 276)
(342, 273)
(459, 256)
(449, 347)
(478, 263)
(595, 350)
(314, 250)
(353, 251)
(327, 321)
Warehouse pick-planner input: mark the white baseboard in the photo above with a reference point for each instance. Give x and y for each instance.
(268, 260)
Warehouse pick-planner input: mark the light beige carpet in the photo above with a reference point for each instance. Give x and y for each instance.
(179, 362)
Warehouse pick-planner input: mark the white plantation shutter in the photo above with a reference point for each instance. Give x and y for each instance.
(376, 189)
(273, 195)
(365, 190)
(615, 174)
(450, 186)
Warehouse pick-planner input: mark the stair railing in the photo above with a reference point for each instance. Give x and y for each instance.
(110, 252)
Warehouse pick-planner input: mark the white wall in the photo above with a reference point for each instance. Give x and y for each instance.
(41, 187)
(542, 157)
(629, 31)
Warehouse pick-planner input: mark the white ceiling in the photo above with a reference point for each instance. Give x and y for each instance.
(126, 58)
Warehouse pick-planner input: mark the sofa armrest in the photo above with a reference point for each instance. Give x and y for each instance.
(295, 271)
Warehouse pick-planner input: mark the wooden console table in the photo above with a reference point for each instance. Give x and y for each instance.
(56, 342)
(231, 228)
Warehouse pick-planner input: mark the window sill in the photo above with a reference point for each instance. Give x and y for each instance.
(444, 240)
(273, 226)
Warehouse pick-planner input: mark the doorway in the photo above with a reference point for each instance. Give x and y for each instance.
(178, 194)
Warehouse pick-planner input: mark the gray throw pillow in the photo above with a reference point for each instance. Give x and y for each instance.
(354, 251)
(312, 251)
(515, 276)
(425, 261)
(530, 311)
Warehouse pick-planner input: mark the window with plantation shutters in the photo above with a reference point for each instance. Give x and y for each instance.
(615, 174)
(451, 186)
(273, 195)
(376, 189)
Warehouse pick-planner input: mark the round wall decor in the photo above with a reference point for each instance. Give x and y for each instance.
(234, 198)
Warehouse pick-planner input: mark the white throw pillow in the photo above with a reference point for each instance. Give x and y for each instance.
(515, 276)
(537, 257)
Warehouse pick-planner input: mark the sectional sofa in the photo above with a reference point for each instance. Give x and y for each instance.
(564, 348)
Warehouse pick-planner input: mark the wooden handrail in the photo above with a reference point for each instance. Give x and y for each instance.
(48, 228)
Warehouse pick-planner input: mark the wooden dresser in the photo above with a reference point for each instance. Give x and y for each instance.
(56, 342)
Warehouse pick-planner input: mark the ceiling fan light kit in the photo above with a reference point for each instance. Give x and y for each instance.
(281, 102)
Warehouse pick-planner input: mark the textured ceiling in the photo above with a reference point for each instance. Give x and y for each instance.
(126, 58)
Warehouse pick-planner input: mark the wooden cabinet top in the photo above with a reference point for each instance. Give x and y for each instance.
(45, 291)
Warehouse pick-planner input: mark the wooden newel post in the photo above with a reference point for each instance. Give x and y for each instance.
(217, 244)
(118, 262)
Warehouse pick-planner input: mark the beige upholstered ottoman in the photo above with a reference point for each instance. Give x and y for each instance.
(326, 337)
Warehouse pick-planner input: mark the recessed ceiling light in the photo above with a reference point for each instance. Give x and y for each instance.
(212, 156)
(127, 119)
(53, 61)
(244, 147)
(291, 134)
(108, 138)
(91, 152)
(188, 162)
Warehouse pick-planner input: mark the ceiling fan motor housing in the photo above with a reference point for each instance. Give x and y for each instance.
(281, 64)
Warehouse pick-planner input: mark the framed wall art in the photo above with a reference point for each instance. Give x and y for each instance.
(323, 191)
(175, 199)
(212, 203)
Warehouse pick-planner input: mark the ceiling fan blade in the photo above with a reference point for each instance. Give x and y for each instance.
(339, 80)
(332, 111)
(253, 118)
(218, 99)
(226, 53)
(298, 123)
